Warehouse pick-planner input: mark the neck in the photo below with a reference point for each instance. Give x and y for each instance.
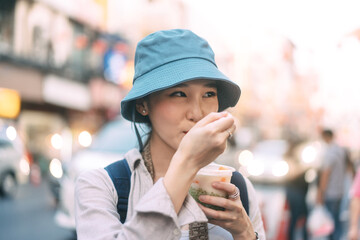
(161, 155)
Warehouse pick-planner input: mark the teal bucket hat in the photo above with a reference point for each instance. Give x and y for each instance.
(167, 58)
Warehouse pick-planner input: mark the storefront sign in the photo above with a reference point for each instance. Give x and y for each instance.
(66, 93)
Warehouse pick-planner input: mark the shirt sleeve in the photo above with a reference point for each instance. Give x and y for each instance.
(331, 156)
(97, 218)
(254, 211)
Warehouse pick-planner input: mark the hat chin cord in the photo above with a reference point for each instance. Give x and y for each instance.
(141, 146)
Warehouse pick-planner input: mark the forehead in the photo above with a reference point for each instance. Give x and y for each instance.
(205, 83)
(197, 82)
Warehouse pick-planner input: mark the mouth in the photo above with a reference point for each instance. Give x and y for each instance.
(185, 132)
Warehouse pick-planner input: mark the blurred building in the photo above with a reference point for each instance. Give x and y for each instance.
(69, 72)
(70, 63)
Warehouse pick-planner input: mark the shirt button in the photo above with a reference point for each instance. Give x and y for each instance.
(176, 232)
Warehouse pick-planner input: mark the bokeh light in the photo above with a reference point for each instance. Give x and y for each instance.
(85, 139)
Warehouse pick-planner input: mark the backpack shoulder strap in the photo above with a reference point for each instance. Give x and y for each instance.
(239, 181)
(120, 175)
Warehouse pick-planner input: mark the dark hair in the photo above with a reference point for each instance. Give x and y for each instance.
(327, 133)
(147, 131)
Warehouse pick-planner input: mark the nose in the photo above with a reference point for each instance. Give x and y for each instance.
(195, 111)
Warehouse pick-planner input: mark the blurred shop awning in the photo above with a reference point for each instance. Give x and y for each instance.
(66, 93)
(26, 81)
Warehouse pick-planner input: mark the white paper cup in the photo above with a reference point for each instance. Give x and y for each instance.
(205, 177)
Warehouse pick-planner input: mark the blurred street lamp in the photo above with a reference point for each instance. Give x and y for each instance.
(256, 168)
(308, 155)
(245, 157)
(11, 133)
(56, 168)
(56, 141)
(85, 139)
(280, 169)
(24, 166)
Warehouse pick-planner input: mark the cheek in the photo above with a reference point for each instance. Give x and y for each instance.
(211, 106)
(163, 113)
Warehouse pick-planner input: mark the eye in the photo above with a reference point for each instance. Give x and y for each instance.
(210, 94)
(178, 94)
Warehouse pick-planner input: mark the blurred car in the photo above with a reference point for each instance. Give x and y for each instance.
(110, 144)
(14, 166)
(276, 161)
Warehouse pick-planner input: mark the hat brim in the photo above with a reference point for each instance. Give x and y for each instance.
(174, 73)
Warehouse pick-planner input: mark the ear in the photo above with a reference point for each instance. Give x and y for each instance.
(141, 107)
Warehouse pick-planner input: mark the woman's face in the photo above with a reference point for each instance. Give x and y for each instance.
(174, 111)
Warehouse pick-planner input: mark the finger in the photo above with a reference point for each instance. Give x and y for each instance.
(222, 216)
(223, 124)
(219, 202)
(228, 133)
(211, 117)
(232, 129)
(220, 223)
(229, 188)
(212, 214)
(235, 195)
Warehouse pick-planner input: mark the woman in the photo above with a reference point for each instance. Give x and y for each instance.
(180, 93)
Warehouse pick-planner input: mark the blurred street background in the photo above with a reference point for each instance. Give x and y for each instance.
(66, 65)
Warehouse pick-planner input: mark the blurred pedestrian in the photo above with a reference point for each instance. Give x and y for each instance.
(296, 190)
(331, 183)
(354, 232)
(180, 93)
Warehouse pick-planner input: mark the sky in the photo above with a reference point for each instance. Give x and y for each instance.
(310, 24)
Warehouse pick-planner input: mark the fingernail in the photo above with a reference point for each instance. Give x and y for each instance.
(201, 198)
